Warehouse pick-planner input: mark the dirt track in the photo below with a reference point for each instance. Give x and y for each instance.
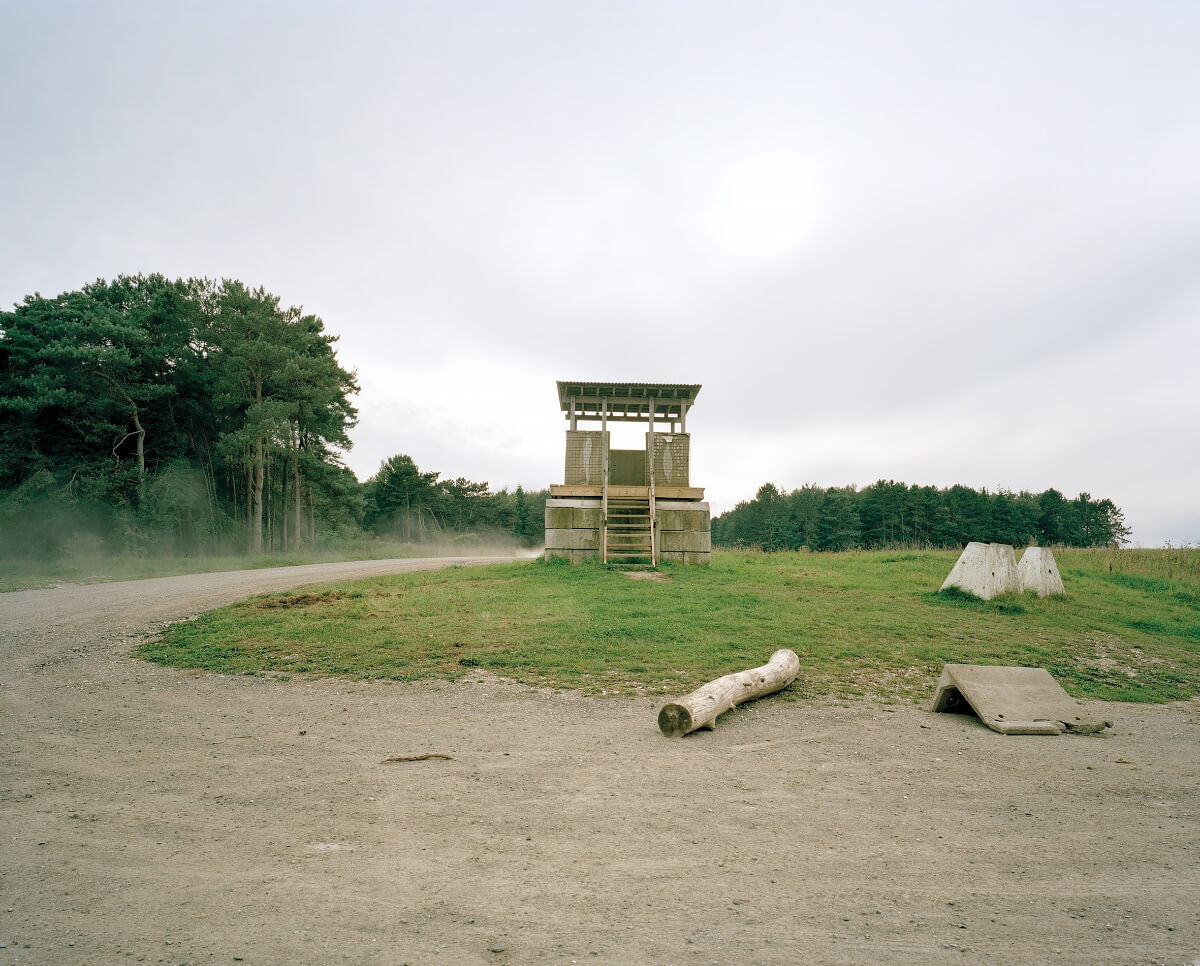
(164, 816)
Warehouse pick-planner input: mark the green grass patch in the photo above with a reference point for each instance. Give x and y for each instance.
(862, 623)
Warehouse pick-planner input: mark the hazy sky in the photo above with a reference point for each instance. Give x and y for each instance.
(940, 243)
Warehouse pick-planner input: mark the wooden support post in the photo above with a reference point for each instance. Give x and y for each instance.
(572, 414)
(702, 707)
(650, 480)
(650, 446)
(604, 481)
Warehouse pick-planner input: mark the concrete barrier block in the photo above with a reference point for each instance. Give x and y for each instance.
(1038, 572)
(985, 570)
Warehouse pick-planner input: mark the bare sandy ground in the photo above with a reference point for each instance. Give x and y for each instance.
(151, 815)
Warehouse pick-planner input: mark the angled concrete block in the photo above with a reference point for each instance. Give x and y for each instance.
(985, 570)
(1013, 700)
(1038, 572)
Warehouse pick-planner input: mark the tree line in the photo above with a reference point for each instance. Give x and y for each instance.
(888, 513)
(155, 415)
(406, 504)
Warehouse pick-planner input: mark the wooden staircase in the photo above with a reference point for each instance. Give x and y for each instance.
(629, 531)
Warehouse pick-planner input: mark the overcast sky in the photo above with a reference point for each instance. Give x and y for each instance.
(939, 243)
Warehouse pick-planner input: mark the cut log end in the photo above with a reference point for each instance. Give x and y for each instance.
(674, 720)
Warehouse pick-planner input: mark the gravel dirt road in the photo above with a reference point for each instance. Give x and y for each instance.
(159, 816)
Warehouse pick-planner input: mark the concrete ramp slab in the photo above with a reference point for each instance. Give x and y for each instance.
(985, 570)
(1013, 700)
(1038, 572)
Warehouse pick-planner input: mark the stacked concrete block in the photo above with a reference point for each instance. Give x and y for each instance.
(572, 529)
(684, 532)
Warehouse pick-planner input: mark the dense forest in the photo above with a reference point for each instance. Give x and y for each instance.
(887, 514)
(147, 415)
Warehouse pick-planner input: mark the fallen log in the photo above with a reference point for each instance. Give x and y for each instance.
(702, 707)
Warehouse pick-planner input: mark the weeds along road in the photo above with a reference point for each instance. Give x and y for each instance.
(38, 626)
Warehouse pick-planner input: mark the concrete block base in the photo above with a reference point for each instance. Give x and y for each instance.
(573, 530)
(684, 532)
(574, 556)
(685, 557)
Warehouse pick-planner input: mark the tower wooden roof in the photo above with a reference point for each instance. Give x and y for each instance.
(626, 401)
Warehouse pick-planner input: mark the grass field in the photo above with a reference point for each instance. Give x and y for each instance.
(861, 623)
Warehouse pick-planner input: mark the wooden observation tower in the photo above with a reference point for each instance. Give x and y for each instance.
(636, 506)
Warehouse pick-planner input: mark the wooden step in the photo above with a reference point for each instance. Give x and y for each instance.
(629, 541)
